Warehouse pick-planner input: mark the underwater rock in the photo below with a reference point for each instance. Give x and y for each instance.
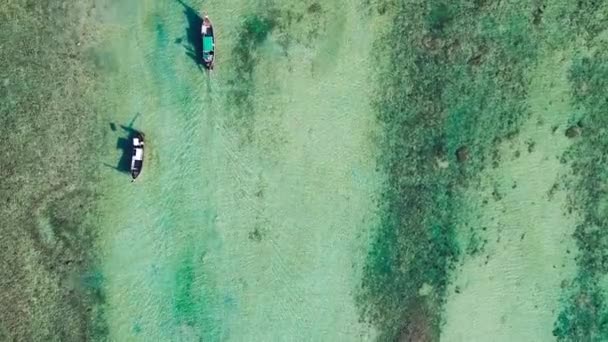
(573, 132)
(314, 8)
(462, 154)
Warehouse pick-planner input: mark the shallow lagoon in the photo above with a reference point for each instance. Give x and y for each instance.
(350, 171)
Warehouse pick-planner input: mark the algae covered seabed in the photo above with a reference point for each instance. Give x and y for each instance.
(352, 170)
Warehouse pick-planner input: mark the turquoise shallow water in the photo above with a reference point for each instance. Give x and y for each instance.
(250, 218)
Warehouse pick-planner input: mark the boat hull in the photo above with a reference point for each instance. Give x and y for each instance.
(137, 156)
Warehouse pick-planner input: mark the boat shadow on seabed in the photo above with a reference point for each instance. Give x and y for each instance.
(194, 45)
(125, 145)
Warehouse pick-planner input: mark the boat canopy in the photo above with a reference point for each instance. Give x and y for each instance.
(139, 154)
(207, 44)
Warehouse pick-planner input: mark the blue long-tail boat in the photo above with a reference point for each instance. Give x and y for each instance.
(208, 43)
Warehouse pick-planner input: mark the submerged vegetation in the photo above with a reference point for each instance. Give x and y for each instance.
(49, 286)
(452, 86)
(283, 25)
(585, 316)
(254, 31)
